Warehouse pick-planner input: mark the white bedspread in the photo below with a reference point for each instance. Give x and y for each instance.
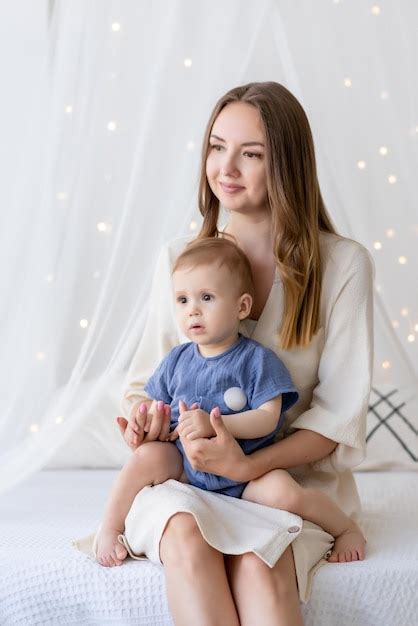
(43, 580)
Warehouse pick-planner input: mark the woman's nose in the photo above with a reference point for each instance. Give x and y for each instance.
(229, 166)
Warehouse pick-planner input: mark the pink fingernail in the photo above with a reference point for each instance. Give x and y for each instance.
(216, 411)
(160, 405)
(167, 409)
(143, 408)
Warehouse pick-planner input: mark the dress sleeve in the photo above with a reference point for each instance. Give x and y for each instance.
(339, 403)
(157, 386)
(159, 337)
(271, 378)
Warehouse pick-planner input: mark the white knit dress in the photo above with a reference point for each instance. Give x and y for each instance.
(333, 377)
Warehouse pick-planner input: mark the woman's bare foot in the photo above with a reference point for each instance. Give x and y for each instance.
(349, 546)
(109, 551)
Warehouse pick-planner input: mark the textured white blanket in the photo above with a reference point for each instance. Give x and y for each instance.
(44, 581)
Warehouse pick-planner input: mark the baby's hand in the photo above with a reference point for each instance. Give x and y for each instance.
(194, 423)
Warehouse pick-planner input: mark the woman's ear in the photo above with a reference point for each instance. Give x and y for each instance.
(245, 305)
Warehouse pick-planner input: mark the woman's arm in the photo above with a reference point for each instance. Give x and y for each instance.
(223, 456)
(303, 446)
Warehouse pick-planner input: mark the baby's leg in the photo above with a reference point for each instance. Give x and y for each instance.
(150, 464)
(279, 490)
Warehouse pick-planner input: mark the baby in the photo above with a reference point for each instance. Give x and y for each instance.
(220, 372)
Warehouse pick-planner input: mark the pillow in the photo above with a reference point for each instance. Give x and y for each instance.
(392, 428)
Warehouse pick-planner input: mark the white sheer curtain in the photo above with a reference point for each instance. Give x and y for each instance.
(103, 168)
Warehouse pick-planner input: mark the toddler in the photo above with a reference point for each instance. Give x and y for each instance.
(220, 372)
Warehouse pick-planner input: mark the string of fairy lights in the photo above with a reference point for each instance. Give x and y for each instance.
(105, 228)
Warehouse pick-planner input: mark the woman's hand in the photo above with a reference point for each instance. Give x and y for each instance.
(220, 455)
(146, 424)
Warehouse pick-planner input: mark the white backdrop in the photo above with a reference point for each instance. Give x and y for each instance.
(104, 110)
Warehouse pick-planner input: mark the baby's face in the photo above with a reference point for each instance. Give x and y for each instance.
(208, 304)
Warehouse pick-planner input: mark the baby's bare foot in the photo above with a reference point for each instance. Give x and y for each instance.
(349, 546)
(109, 551)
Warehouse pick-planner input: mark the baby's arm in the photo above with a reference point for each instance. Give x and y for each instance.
(255, 423)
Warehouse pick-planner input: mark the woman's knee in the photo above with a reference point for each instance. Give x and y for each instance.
(182, 541)
(281, 578)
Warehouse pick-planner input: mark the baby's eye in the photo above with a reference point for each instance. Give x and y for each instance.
(206, 297)
(182, 299)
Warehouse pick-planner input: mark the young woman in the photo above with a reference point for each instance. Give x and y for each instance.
(313, 306)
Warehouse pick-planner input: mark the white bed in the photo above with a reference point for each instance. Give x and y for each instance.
(44, 580)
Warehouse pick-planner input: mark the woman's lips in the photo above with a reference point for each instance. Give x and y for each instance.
(231, 188)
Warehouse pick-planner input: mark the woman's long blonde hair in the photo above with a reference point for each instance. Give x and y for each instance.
(297, 209)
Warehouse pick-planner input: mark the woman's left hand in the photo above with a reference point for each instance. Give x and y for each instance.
(219, 455)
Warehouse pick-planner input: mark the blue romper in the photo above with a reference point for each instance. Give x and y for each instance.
(257, 372)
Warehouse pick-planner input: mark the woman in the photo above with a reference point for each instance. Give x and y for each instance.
(313, 306)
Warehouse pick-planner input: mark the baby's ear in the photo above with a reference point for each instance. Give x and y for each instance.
(245, 305)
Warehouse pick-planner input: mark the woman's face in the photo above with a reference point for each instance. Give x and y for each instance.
(235, 166)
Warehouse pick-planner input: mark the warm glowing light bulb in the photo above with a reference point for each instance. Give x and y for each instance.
(404, 312)
(62, 195)
(390, 233)
(347, 82)
(383, 150)
(361, 165)
(111, 126)
(193, 225)
(40, 356)
(34, 428)
(403, 260)
(375, 9)
(84, 323)
(411, 338)
(386, 365)
(416, 328)
(116, 27)
(392, 179)
(69, 109)
(59, 419)
(187, 63)
(395, 324)
(102, 227)
(377, 245)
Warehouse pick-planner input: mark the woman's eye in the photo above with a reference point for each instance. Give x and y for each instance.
(216, 147)
(207, 297)
(253, 155)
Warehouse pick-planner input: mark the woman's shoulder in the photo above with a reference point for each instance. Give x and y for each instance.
(341, 255)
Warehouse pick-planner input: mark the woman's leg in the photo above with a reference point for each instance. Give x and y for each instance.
(150, 464)
(197, 586)
(262, 595)
(278, 489)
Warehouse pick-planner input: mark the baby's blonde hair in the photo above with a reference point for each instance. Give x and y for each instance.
(219, 250)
